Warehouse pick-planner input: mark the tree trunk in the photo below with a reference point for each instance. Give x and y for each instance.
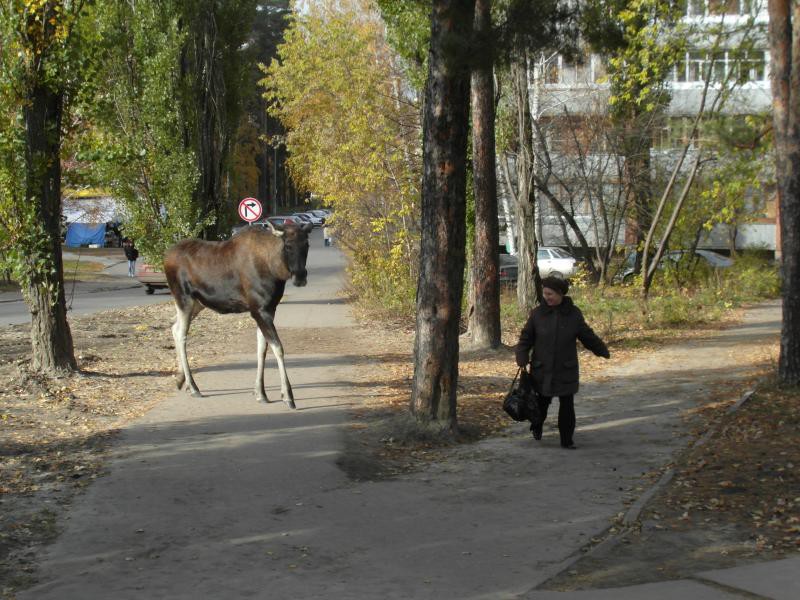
(528, 280)
(443, 235)
(213, 136)
(51, 339)
(636, 150)
(484, 324)
(784, 35)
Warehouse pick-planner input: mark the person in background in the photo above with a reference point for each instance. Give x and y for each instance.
(551, 331)
(131, 253)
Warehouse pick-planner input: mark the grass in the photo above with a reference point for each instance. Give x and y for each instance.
(81, 269)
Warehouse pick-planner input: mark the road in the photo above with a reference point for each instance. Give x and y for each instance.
(116, 290)
(86, 297)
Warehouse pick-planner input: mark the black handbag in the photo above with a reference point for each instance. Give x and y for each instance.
(520, 402)
(516, 401)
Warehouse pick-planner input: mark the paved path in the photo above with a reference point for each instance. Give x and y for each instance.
(225, 498)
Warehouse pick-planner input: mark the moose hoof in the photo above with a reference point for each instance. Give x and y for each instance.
(289, 402)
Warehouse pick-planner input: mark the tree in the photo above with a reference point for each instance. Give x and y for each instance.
(784, 38)
(140, 147)
(717, 89)
(268, 29)
(442, 246)
(643, 42)
(352, 130)
(214, 66)
(521, 185)
(46, 46)
(484, 316)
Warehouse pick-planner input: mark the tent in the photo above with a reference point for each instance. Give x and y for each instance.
(82, 234)
(86, 218)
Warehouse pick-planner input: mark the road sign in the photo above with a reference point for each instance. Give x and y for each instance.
(250, 209)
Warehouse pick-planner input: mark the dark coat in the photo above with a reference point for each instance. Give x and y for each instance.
(131, 253)
(551, 332)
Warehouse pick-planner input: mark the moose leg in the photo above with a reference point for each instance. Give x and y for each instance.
(267, 327)
(261, 393)
(179, 332)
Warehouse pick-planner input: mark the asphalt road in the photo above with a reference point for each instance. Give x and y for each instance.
(87, 298)
(117, 290)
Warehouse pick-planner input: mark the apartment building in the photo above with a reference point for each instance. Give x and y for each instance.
(569, 95)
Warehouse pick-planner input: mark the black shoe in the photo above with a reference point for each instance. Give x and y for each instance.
(536, 429)
(570, 446)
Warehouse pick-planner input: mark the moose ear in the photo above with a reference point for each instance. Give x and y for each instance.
(273, 230)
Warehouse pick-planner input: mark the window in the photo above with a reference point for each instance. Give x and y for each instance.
(598, 69)
(700, 8)
(552, 70)
(717, 62)
(695, 66)
(696, 8)
(743, 66)
(752, 66)
(723, 7)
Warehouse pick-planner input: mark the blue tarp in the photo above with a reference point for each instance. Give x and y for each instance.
(82, 234)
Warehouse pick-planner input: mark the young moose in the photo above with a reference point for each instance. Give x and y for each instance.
(247, 273)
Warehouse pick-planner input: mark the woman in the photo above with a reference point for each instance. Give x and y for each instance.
(131, 253)
(551, 331)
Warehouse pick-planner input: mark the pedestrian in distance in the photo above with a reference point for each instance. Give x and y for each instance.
(551, 332)
(327, 235)
(131, 253)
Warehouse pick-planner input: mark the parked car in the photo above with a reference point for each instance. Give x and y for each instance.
(509, 269)
(552, 261)
(151, 278)
(711, 259)
(555, 262)
(321, 213)
(280, 220)
(315, 220)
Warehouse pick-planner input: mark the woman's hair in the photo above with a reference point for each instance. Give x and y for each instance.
(556, 284)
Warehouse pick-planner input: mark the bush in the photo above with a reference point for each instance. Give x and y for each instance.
(681, 297)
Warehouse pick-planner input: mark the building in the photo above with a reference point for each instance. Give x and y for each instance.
(569, 97)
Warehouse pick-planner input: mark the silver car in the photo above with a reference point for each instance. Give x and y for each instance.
(555, 262)
(552, 261)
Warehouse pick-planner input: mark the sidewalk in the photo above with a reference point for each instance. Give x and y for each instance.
(220, 497)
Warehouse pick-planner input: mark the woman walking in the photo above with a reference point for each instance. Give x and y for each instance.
(551, 331)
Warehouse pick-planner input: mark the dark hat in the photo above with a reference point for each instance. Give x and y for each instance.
(556, 284)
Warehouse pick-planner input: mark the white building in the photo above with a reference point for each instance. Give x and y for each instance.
(577, 90)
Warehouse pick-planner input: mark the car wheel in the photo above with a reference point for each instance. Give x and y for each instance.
(555, 274)
(149, 290)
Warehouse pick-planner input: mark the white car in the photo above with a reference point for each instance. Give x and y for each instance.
(552, 262)
(316, 220)
(555, 262)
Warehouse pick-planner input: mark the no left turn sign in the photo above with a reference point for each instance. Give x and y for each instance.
(250, 209)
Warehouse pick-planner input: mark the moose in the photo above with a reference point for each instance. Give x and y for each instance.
(247, 273)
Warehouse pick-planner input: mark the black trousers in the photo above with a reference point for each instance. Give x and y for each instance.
(566, 415)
